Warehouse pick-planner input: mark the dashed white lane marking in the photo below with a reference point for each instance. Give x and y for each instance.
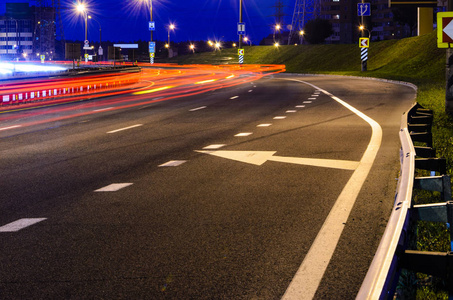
(114, 187)
(264, 125)
(102, 109)
(234, 97)
(173, 163)
(214, 146)
(250, 91)
(315, 95)
(300, 106)
(308, 102)
(312, 98)
(291, 111)
(279, 117)
(198, 108)
(20, 224)
(10, 127)
(307, 279)
(243, 134)
(125, 128)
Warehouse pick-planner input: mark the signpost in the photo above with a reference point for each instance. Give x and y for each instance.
(152, 26)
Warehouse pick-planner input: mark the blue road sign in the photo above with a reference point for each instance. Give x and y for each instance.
(152, 47)
(152, 26)
(364, 9)
(241, 28)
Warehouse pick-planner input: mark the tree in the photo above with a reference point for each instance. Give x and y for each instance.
(317, 30)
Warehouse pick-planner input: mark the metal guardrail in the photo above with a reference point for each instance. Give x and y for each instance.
(391, 255)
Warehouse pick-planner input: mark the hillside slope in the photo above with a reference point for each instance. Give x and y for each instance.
(413, 59)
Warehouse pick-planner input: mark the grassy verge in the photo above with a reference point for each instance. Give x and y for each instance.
(416, 60)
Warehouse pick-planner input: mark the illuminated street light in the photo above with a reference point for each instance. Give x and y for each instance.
(192, 47)
(82, 9)
(301, 35)
(362, 28)
(167, 46)
(276, 44)
(171, 27)
(277, 27)
(100, 52)
(246, 39)
(234, 45)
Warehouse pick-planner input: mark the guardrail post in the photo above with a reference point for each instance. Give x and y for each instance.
(437, 264)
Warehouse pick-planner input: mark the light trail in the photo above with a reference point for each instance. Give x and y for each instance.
(166, 84)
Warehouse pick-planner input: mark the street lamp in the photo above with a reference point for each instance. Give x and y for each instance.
(301, 35)
(246, 39)
(100, 52)
(82, 9)
(171, 27)
(192, 47)
(362, 28)
(277, 27)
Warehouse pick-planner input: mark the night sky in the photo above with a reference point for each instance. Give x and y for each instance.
(127, 20)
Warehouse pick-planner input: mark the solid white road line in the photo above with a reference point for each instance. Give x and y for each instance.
(125, 128)
(20, 224)
(114, 187)
(173, 163)
(234, 97)
(307, 279)
(198, 108)
(10, 127)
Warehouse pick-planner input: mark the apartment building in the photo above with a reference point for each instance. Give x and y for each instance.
(345, 21)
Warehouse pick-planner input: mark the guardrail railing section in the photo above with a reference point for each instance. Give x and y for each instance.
(437, 264)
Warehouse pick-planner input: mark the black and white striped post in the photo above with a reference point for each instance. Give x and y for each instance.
(364, 44)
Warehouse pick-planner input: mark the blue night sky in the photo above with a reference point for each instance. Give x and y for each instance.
(195, 20)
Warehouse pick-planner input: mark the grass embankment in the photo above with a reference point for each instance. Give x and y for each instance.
(416, 60)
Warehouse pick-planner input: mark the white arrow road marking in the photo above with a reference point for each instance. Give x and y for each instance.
(260, 157)
(307, 279)
(449, 29)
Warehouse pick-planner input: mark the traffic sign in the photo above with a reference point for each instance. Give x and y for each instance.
(241, 51)
(152, 47)
(444, 29)
(364, 9)
(152, 26)
(241, 28)
(364, 42)
(151, 55)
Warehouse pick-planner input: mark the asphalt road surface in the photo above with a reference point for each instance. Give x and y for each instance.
(214, 196)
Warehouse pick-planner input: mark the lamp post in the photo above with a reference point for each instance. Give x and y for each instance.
(100, 51)
(82, 9)
(171, 27)
(276, 28)
(301, 35)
